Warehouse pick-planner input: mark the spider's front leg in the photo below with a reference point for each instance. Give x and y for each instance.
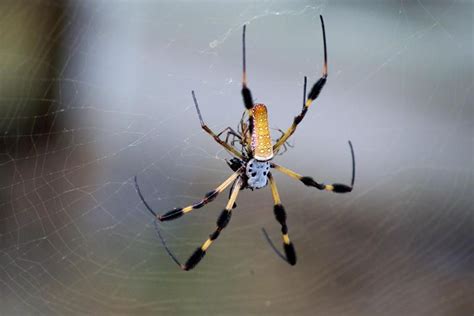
(246, 93)
(221, 223)
(312, 95)
(228, 147)
(285, 145)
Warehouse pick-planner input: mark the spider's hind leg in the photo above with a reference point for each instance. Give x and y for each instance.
(178, 212)
(199, 253)
(280, 215)
(222, 222)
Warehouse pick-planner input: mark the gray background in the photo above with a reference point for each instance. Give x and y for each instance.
(95, 92)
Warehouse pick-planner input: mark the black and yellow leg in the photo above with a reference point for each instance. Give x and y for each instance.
(222, 222)
(308, 181)
(209, 197)
(246, 93)
(178, 212)
(228, 147)
(280, 216)
(312, 95)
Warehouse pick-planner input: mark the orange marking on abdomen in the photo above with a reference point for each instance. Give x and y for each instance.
(262, 147)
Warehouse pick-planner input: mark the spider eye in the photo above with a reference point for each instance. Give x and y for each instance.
(254, 174)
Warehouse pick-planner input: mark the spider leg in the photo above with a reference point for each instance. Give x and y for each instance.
(229, 130)
(308, 181)
(242, 126)
(231, 137)
(305, 83)
(178, 212)
(228, 147)
(280, 215)
(246, 93)
(222, 222)
(313, 94)
(285, 145)
(243, 129)
(232, 190)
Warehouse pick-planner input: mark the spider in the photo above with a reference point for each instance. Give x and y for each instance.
(251, 165)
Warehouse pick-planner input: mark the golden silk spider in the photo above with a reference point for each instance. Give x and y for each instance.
(251, 165)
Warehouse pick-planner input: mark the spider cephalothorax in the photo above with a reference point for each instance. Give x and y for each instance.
(251, 164)
(257, 173)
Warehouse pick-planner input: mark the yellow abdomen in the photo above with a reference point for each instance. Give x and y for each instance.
(262, 147)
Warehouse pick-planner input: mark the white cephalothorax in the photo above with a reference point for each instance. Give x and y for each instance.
(257, 173)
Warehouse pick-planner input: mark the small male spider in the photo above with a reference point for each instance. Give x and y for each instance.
(251, 165)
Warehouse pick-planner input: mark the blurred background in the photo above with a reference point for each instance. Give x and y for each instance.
(93, 93)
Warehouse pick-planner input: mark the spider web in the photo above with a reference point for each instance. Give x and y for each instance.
(95, 92)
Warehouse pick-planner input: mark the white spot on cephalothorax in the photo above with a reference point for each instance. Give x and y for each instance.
(257, 173)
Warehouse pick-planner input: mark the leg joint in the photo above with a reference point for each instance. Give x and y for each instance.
(223, 219)
(280, 214)
(214, 235)
(316, 89)
(210, 196)
(247, 96)
(308, 181)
